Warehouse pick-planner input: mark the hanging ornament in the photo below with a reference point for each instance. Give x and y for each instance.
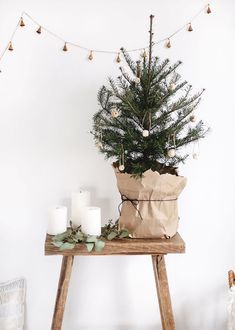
(208, 9)
(39, 30)
(99, 145)
(171, 153)
(190, 29)
(144, 54)
(168, 44)
(22, 22)
(145, 133)
(121, 166)
(193, 118)
(172, 86)
(65, 48)
(122, 160)
(196, 150)
(90, 57)
(115, 113)
(118, 59)
(10, 47)
(137, 80)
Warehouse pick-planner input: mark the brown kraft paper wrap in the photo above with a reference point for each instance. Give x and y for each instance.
(149, 204)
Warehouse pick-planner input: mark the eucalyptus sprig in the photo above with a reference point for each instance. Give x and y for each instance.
(111, 231)
(73, 236)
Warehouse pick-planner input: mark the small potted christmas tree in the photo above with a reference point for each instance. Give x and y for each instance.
(145, 120)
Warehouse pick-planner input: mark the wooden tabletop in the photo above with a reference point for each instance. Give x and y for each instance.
(124, 246)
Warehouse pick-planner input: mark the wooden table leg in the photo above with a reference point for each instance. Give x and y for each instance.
(65, 273)
(163, 292)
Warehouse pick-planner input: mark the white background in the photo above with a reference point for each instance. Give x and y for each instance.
(47, 99)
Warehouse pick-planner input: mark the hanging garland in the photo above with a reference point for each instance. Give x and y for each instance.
(66, 44)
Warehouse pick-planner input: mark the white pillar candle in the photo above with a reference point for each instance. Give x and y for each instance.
(57, 223)
(91, 222)
(80, 200)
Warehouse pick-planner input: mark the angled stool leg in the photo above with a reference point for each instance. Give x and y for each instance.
(65, 273)
(163, 292)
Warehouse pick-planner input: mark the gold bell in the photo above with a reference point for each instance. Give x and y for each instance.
(190, 29)
(90, 57)
(39, 30)
(118, 59)
(10, 47)
(22, 22)
(65, 48)
(168, 44)
(208, 9)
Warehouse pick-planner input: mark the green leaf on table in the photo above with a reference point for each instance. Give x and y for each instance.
(99, 245)
(91, 239)
(60, 237)
(112, 235)
(90, 246)
(67, 246)
(57, 243)
(124, 233)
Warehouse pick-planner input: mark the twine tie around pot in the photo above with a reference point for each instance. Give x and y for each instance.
(135, 202)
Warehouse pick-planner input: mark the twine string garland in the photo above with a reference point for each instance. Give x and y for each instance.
(91, 51)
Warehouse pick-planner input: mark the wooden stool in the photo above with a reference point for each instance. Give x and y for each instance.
(157, 248)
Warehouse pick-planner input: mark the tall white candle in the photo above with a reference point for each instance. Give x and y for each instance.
(57, 223)
(80, 200)
(91, 222)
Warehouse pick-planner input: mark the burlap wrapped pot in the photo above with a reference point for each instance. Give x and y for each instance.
(149, 204)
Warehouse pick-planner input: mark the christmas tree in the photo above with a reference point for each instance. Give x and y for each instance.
(146, 118)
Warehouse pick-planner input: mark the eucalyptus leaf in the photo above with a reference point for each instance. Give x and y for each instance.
(112, 235)
(99, 245)
(91, 239)
(67, 246)
(90, 246)
(73, 236)
(61, 236)
(124, 233)
(58, 243)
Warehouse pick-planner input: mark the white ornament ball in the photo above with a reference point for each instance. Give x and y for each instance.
(195, 156)
(172, 86)
(137, 80)
(145, 133)
(99, 145)
(115, 113)
(193, 118)
(121, 168)
(171, 153)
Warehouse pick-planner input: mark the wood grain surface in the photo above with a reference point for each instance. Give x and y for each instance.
(65, 273)
(126, 246)
(163, 292)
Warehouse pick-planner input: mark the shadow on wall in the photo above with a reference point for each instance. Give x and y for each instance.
(204, 314)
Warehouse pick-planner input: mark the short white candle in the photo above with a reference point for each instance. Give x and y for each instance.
(57, 223)
(80, 200)
(91, 222)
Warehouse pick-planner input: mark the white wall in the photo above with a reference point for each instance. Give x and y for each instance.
(46, 107)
